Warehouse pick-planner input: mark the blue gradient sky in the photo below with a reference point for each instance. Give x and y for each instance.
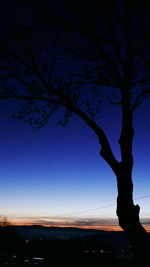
(57, 171)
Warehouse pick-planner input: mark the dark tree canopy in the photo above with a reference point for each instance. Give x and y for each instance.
(75, 53)
(75, 56)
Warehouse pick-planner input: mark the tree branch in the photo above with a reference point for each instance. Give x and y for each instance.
(105, 151)
(140, 98)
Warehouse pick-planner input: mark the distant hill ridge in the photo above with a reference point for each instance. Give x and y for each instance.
(35, 232)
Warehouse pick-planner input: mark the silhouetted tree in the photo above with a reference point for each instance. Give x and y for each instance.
(75, 55)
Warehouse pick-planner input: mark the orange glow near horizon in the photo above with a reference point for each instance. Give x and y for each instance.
(104, 227)
(95, 227)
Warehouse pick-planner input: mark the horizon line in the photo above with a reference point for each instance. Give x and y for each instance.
(106, 224)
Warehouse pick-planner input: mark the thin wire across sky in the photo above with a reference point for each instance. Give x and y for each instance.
(95, 209)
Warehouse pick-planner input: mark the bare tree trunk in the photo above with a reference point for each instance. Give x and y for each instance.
(128, 216)
(127, 212)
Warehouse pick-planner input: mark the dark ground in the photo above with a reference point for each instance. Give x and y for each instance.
(53, 246)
